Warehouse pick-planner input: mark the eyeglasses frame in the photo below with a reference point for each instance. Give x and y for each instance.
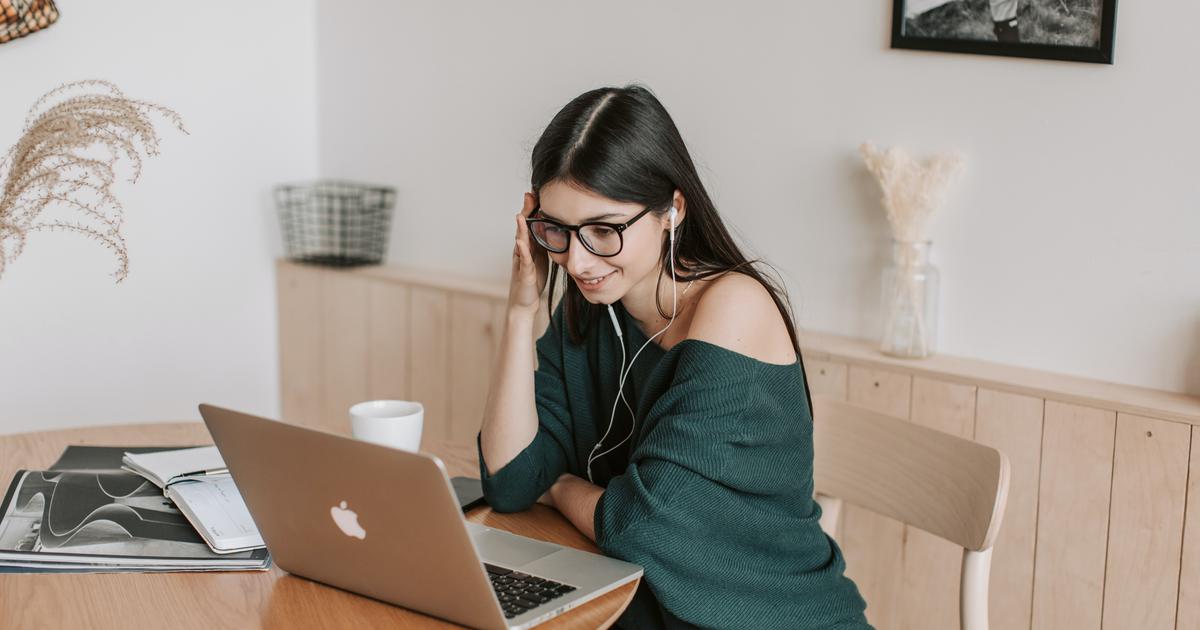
(618, 227)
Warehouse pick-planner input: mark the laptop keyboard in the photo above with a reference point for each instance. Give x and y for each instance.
(519, 592)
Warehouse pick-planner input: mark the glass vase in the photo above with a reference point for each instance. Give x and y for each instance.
(910, 302)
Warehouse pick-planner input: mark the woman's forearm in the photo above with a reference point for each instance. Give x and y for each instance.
(510, 415)
(576, 499)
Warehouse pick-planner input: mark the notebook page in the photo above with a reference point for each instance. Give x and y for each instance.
(216, 509)
(164, 466)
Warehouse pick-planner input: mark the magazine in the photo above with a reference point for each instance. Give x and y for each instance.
(98, 519)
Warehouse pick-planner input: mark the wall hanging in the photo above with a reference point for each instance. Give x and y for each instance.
(1072, 30)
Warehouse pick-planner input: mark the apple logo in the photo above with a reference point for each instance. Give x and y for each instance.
(347, 521)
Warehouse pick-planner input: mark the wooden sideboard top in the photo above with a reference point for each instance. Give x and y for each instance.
(1073, 389)
(497, 289)
(827, 346)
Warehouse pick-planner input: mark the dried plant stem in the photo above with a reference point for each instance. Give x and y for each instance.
(907, 297)
(49, 167)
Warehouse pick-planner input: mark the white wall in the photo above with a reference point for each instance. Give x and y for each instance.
(195, 320)
(1073, 244)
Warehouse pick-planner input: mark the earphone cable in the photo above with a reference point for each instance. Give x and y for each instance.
(625, 371)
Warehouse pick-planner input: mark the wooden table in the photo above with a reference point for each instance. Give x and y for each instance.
(271, 599)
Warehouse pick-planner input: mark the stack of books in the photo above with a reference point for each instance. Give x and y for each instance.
(128, 509)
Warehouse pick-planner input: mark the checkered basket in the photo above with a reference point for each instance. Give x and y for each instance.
(335, 223)
(19, 18)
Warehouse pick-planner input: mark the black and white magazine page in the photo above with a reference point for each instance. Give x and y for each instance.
(102, 518)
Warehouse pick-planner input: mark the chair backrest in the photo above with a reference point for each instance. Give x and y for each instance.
(948, 486)
(943, 484)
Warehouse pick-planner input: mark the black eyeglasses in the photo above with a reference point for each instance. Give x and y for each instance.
(602, 239)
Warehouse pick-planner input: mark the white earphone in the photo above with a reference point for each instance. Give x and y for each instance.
(624, 372)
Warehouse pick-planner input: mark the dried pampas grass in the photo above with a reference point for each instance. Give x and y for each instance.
(65, 158)
(912, 189)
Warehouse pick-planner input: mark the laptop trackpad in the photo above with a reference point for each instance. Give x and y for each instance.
(508, 550)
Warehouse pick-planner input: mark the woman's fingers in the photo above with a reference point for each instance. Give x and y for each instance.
(526, 273)
(531, 246)
(526, 210)
(522, 235)
(521, 250)
(529, 205)
(529, 259)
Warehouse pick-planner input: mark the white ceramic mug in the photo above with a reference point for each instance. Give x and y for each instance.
(394, 423)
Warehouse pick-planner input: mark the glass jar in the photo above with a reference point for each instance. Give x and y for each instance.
(910, 302)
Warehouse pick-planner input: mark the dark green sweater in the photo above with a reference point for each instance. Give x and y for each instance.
(714, 494)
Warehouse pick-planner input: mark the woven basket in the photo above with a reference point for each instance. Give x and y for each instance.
(19, 18)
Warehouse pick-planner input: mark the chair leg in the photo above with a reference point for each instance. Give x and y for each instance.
(973, 591)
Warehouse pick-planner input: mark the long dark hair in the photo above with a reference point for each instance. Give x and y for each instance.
(622, 144)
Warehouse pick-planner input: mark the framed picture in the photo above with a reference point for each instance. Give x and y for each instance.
(1071, 30)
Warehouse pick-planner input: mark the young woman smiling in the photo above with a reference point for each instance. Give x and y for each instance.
(668, 417)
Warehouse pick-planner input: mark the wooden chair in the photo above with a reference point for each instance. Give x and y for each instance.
(948, 486)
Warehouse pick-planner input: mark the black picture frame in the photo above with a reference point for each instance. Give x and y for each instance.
(1101, 54)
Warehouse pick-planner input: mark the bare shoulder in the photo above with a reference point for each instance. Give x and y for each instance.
(737, 313)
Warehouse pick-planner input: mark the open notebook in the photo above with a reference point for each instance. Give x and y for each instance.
(198, 482)
(167, 467)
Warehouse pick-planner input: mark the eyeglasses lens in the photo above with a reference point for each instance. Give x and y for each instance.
(550, 236)
(602, 240)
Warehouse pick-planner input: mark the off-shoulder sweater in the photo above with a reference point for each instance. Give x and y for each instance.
(713, 493)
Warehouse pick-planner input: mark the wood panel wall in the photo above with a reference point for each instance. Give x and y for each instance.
(1102, 526)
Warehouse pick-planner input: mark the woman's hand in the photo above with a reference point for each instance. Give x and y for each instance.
(576, 499)
(530, 265)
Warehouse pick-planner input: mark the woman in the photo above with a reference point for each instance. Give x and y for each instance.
(701, 469)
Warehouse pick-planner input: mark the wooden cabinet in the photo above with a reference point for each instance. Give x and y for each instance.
(346, 336)
(1096, 532)
(1012, 424)
(1073, 508)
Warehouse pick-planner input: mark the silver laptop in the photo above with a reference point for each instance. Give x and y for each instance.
(386, 524)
